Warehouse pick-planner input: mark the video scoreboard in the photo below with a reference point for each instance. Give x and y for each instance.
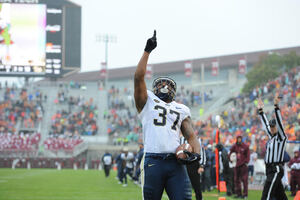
(33, 37)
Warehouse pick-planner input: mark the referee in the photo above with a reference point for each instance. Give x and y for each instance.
(273, 187)
(194, 170)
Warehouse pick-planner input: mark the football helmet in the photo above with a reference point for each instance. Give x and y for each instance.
(272, 122)
(164, 88)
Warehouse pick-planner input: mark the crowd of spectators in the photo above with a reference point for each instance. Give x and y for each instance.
(79, 120)
(71, 101)
(192, 98)
(63, 95)
(116, 97)
(242, 119)
(123, 125)
(20, 109)
(19, 105)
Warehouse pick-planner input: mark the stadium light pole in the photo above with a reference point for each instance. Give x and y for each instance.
(106, 38)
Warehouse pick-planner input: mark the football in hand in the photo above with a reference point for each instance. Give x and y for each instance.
(180, 151)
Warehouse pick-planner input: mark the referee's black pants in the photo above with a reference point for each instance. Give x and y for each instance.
(273, 186)
(195, 178)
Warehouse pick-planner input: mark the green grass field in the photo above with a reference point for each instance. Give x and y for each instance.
(50, 184)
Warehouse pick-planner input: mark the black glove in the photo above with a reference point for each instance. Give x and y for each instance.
(191, 158)
(151, 43)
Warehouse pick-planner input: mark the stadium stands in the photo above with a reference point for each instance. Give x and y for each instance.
(21, 113)
(20, 106)
(242, 118)
(78, 120)
(79, 110)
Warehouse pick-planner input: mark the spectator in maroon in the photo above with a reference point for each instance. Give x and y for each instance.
(294, 164)
(241, 169)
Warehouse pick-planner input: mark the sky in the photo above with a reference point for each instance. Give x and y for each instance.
(186, 29)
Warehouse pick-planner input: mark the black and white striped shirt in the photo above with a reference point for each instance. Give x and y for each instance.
(276, 144)
(202, 160)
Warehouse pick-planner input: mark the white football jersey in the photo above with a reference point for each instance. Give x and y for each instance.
(128, 158)
(161, 123)
(107, 160)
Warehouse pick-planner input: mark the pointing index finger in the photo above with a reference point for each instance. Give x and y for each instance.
(154, 34)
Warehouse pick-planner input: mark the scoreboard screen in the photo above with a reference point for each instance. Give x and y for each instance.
(30, 39)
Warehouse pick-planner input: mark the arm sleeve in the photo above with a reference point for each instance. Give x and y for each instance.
(145, 108)
(279, 123)
(265, 123)
(202, 161)
(186, 113)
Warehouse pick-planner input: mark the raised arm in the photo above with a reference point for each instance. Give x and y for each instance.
(278, 116)
(140, 90)
(188, 133)
(263, 117)
(202, 161)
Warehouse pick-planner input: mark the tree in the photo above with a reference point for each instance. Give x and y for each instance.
(269, 67)
(291, 60)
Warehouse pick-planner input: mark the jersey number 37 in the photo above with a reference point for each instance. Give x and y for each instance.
(163, 117)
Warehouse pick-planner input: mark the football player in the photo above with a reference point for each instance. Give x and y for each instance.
(162, 120)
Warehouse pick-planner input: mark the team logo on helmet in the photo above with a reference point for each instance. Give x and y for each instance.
(164, 88)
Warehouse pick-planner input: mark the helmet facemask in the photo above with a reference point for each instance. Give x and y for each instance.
(164, 88)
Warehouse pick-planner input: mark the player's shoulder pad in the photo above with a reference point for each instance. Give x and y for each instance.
(184, 108)
(151, 95)
(130, 155)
